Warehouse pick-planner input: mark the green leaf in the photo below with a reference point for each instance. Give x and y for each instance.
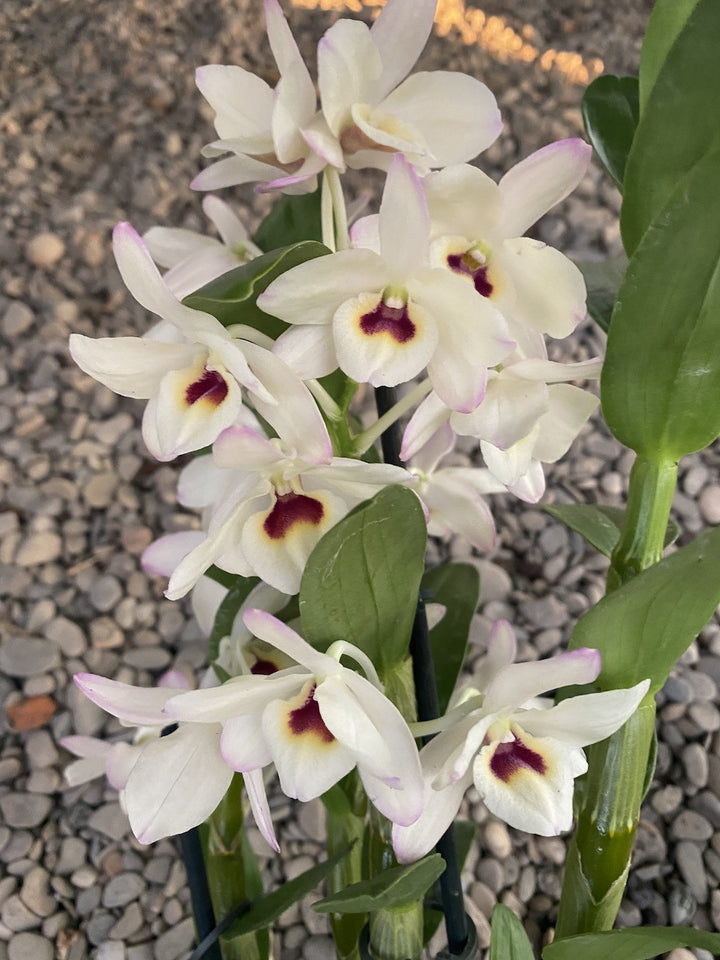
(643, 627)
(667, 20)
(610, 112)
(602, 279)
(227, 611)
(291, 220)
(636, 943)
(264, 911)
(392, 887)
(457, 587)
(660, 384)
(679, 124)
(231, 297)
(508, 940)
(599, 525)
(361, 581)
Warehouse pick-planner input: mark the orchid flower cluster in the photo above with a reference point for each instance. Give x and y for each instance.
(439, 295)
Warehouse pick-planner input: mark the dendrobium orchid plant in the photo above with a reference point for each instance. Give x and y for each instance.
(306, 563)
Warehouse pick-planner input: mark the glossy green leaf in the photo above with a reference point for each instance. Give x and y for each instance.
(636, 943)
(644, 626)
(599, 525)
(392, 887)
(361, 581)
(610, 113)
(457, 587)
(291, 220)
(508, 940)
(679, 124)
(661, 376)
(666, 21)
(227, 611)
(231, 297)
(602, 279)
(264, 911)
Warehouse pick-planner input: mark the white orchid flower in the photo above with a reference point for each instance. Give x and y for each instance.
(175, 781)
(477, 234)
(276, 137)
(315, 722)
(194, 259)
(275, 498)
(529, 415)
(383, 316)
(375, 110)
(521, 754)
(453, 496)
(189, 368)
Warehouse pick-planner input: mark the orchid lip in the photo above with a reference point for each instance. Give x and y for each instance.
(467, 266)
(210, 387)
(513, 757)
(390, 318)
(289, 510)
(306, 720)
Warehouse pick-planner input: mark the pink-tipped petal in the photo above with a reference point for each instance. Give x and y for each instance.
(520, 682)
(141, 706)
(404, 222)
(400, 33)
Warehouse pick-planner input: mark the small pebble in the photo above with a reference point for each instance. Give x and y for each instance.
(45, 249)
(30, 946)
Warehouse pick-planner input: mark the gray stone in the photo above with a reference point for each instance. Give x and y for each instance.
(710, 504)
(174, 942)
(121, 889)
(42, 547)
(30, 946)
(681, 904)
(73, 851)
(105, 592)
(689, 825)
(67, 636)
(27, 656)
(110, 820)
(24, 810)
(497, 839)
(318, 948)
(129, 923)
(490, 872)
(17, 916)
(99, 927)
(35, 892)
(45, 249)
(545, 612)
(692, 869)
(40, 749)
(110, 951)
(17, 320)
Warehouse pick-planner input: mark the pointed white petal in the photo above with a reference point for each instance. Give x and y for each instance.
(192, 273)
(510, 465)
(238, 697)
(404, 223)
(400, 33)
(298, 90)
(232, 171)
(507, 413)
(176, 782)
(456, 506)
(537, 183)
(586, 719)
(569, 408)
(520, 682)
(309, 760)
(365, 233)
(309, 350)
(463, 201)
(141, 706)
(501, 652)
(228, 224)
(260, 808)
(456, 115)
(242, 744)
(241, 448)
(171, 245)
(130, 366)
(354, 480)
(120, 763)
(531, 486)
(424, 423)
(165, 553)
(321, 140)
(529, 783)
(434, 449)
(537, 368)
(278, 634)
(349, 66)
(440, 807)
(242, 101)
(201, 483)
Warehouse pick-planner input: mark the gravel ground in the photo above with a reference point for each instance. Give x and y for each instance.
(101, 122)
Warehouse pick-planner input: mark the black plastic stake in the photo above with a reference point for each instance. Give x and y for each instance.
(428, 708)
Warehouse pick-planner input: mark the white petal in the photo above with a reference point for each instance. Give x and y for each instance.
(278, 634)
(569, 408)
(201, 482)
(120, 763)
(463, 201)
(313, 291)
(537, 183)
(345, 716)
(549, 289)
(510, 465)
(507, 413)
(533, 792)
(242, 101)
(365, 233)
(440, 807)
(130, 366)
(429, 417)
(170, 245)
(456, 506)
(309, 351)
(456, 115)
(176, 782)
(400, 33)
(520, 682)
(84, 770)
(242, 744)
(260, 808)
(227, 222)
(192, 273)
(531, 486)
(501, 652)
(354, 480)
(404, 223)
(434, 449)
(165, 553)
(586, 719)
(309, 760)
(537, 368)
(144, 282)
(207, 595)
(141, 706)
(349, 66)
(241, 448)
(232, 171)
(238, 697)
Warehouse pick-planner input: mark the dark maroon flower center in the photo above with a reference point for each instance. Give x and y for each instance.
(263, 668)
(393, 320)
(307, 719)
(289, 509)
(211, 387)
(464, 264)
(510, 758)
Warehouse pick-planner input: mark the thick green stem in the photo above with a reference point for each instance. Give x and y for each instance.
(599, 855)
(652, 486)
(233, 873)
